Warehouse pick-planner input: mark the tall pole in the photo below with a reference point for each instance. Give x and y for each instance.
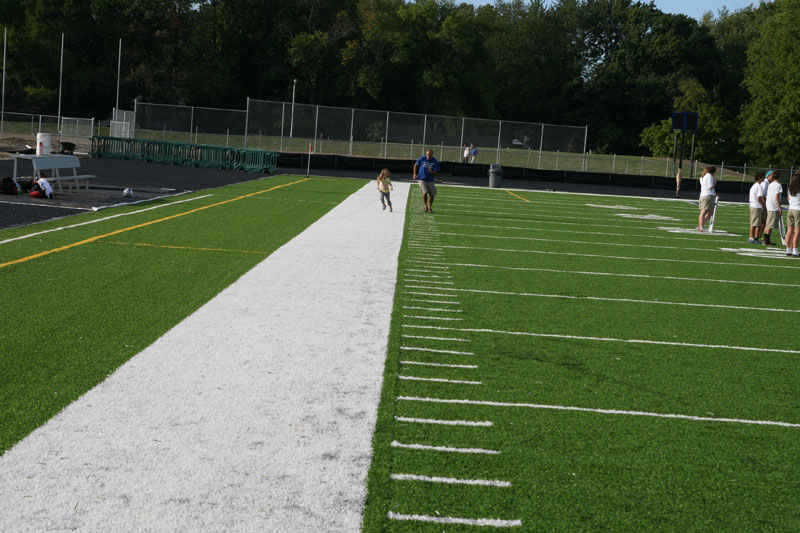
(3, 104)
(585, 138)
(291, 123)
(119, 69)
(60, 80)
(246, 122)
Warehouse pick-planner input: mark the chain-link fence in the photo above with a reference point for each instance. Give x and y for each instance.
(23, 127)
(288, 127)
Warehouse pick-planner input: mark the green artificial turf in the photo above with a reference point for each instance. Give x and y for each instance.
(506, 264)
(74, 316)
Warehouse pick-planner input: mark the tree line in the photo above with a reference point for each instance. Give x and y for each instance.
(618, 66)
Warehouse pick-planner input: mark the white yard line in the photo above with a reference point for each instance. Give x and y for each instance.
(607, 339)
(590, 273)
(438, 422)
(440, 380)
(602, 411)
(451, 480)
(254, 413)
(453, 339)
(436, 295)
(426, 280)
(432, 317)
(425, 301)
(442, 365)
(29, 235)
(434, 350)
(622, 257)
(624, 300)
(432, 309)
(480, 522)
(46, 205)
(449, 449)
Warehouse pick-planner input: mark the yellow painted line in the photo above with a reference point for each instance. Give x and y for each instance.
(192, 248)
(145, 224)
(518, 196)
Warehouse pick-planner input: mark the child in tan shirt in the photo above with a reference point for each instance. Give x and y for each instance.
(384, 186)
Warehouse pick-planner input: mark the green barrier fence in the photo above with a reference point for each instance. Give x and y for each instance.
(198, 155)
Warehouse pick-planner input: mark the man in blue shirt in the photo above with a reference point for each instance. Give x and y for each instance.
(425, 170)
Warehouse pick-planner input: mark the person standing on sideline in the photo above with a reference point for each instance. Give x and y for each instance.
(707, 196)
(425, 170)
(774, 211)
(764, 185)
(384, 186)
(473, 152)
(793, 216)
(756, 204)
(466, 154)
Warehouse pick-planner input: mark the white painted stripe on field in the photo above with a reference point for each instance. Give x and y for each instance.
(481, 522)
(628, 258)
(609, 339)
(29, 235)
(451, 480)
(440, 380)
(449, 449)
(590, 243)
(437, 295)
(602, 411)
(46, 205)
(454, 339)
(426, 280)
(443, 365)
(432, 317)
(426, 301)
(428, 275)
(643, 276)
(438, 422)
(432, 309)
(624, 300)
(434, 350)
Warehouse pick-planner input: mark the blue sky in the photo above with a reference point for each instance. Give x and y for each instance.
(693, 8)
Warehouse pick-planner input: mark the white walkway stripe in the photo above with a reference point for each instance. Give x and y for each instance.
(29, 235)
(481, 522)
(451, 480)
(610, 339)
(624, 300)
(443, 365)
(450, 449)
(434, 421)
(602, 411)
(432, 350)
(440, 380)
(432, 309)
(628, 258)
(615, 274)
(454, 339)
(432, 317)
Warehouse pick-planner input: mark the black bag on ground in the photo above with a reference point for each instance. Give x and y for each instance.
(9, 186)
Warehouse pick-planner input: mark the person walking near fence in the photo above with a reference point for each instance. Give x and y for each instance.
(466, 154)
(473, 152)
(425, 170)
(707, 196)
(774, 211)
(384, 186)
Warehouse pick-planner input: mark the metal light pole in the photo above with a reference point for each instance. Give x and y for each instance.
(291, 123)
(119, 68)
(3, 104)
(60, 79)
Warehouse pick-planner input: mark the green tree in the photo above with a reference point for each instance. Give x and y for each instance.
(770, 131)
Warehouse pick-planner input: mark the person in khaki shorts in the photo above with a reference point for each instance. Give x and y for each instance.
(756, 206)
(425, 170)
(707, 195)
(774, 211)
(793, 217)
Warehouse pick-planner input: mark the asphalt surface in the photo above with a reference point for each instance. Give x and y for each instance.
(150, 180)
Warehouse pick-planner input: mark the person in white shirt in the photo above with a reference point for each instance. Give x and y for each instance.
(774, 212)
(756, 204)
(707, 196)
(793, 217)
(466, 154)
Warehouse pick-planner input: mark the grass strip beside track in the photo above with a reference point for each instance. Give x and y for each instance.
(679, 430)
(75, 316)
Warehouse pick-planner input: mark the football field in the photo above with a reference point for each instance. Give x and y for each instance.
(555, 362)
(574, 362)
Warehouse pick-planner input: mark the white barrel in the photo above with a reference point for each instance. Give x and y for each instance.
(42, 144)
